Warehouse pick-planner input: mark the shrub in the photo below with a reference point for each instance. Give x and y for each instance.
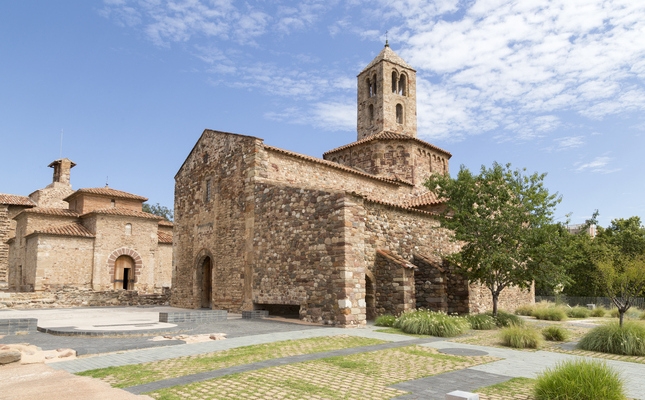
(550, 313)
(481, 322)
(578, 312)
(611, 338)
(632, 313)
(525, 309)
(423, 322)
(385, 320)
(520, 337)
(643, 315)
(598, 312)
(555, 333)
(580, 380)
(505, 319)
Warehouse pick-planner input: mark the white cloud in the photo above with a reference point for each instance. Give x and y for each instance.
(329, 116)
(569, 142)
(597, 165)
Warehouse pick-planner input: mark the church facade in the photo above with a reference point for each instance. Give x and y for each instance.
(336, 240)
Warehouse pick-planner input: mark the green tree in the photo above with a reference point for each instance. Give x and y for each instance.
(503, 219)
(158, 209)
(622, 265)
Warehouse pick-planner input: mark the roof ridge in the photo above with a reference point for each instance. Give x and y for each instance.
(387, 135)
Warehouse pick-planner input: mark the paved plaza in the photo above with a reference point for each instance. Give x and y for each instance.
(124, 347)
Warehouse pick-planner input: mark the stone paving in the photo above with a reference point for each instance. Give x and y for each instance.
(511, 363)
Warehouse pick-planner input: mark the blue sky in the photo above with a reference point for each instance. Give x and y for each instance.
(554, 86)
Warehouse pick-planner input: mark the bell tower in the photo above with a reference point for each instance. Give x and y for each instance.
(387, 100)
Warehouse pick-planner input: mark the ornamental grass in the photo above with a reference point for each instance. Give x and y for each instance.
(578, 312)
(555, 333)
(385, 320)
(505, 319)
(579, 380)
(481, 322)
(611, 338)
(520, 337)
(424, 322)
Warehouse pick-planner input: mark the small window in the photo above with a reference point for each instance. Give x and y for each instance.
(374, 83)
(128, 229)
(207, 195)
(205, 158)
(399, 114)
(402, 85)
(113, 203)
(394, 80)
(369, 87)
(371, 112)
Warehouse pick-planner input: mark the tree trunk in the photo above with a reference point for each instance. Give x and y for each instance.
(621, 315)
(495, 299)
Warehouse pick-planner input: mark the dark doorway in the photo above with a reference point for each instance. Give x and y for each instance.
(124, 273)
(207, 283)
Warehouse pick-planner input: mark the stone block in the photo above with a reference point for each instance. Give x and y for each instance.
(255, 314)
(461, 395)
(9, 356)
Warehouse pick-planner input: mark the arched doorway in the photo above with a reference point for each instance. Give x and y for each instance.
(370, 298)
(206, 274)
(124, 273)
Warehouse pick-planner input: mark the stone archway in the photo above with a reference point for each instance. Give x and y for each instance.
(133, 261)
(203, 287)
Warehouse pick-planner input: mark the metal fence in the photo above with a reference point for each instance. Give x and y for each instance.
(583, 301)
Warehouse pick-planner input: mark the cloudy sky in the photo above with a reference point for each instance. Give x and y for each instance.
(553, 86)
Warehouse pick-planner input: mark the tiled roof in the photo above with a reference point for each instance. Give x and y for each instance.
(62, 212)
(333, 165)
(15, 200)
(395, 205)
(123, 212)
(77, 230)
(387, 54)
(164, 237)
(108, 192)
(385, 135)
(425, 199)
(395, 258)
(163, 222)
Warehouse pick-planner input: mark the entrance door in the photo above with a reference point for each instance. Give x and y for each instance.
(207, 284)
(124, 273)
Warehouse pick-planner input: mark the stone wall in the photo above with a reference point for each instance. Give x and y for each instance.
(394, 284)
(7, 231)
(52, 196)
(511, 297)
(88, 202)
(214, 201)
(430, 284)
(299, 234)
(62, 261)
(74, 297)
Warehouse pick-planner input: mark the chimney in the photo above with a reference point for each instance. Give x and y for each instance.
(62, 169)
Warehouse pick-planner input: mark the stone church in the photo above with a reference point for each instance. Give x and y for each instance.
(95, 239)
(336, 240)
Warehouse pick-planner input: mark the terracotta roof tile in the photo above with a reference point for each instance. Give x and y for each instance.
(15, 200)
(62, 212)
(76, 230)
(123, 212)
(164, 237)
(385, 135)
(395, 205)
(334, 165)
(163, 222)
(425, 199)
(395, 258)
(108, 192)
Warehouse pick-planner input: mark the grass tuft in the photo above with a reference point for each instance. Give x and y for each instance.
(423, 322)
(520, 337)
(578, 312)
(525, 309)
(385, 320)
(580, 380)
(551, 313)
(505, 319)
(555, 333)
(598, 312)
(611, 338)
(481, 322)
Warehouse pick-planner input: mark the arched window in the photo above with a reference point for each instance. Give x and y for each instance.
(399, 114)
(205, 158)
(374, 84)
(369, 87)
(402, 85)
(371, 112)
(128, 229)
(394, 80)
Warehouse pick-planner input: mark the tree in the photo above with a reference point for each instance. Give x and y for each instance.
(503, 219)
(158, 209)
(622, 266)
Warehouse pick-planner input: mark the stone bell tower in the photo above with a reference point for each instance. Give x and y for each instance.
(387, 96)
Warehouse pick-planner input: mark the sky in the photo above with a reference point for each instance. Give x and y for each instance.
(124, 88)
